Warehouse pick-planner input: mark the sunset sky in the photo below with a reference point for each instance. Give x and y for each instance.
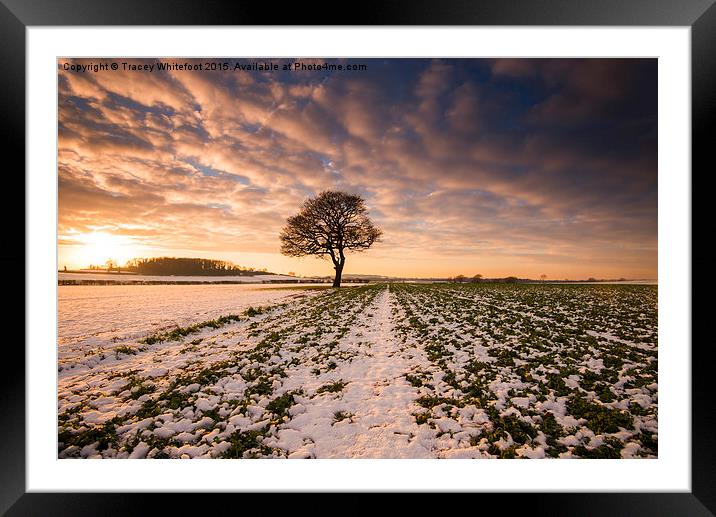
(501, 167)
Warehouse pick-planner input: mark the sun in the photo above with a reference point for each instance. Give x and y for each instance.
(99, 247)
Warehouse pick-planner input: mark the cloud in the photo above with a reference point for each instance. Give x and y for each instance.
(538, 161)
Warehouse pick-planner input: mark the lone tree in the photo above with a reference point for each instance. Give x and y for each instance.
(327, 226)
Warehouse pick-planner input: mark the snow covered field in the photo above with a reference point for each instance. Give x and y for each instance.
(130, 278)
(101, 315)
(377, 371)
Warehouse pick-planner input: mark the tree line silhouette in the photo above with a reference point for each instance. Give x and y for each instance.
(188, 267)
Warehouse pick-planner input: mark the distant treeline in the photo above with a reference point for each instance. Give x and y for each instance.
(165, 266)
(459, 279)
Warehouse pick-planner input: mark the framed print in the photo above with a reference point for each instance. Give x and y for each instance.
(313, 256)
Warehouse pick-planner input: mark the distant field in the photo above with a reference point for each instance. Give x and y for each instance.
(70, 278)
(381, 371)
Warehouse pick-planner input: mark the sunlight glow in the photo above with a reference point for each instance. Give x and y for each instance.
(99, 247)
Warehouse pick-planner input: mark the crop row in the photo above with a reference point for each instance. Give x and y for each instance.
(570, 371)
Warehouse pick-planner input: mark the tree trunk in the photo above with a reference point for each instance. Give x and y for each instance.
(339, 272)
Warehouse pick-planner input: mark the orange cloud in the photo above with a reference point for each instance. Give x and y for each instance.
(524, 165)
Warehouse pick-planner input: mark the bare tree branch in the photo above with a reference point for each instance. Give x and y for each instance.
(327, 226)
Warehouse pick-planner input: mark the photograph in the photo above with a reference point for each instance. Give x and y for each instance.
(385, 258)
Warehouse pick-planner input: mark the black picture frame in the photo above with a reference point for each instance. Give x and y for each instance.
(17, 15)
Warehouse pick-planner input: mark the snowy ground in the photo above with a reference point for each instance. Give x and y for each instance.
(100, 316)
(399, 371)
(131, 278)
